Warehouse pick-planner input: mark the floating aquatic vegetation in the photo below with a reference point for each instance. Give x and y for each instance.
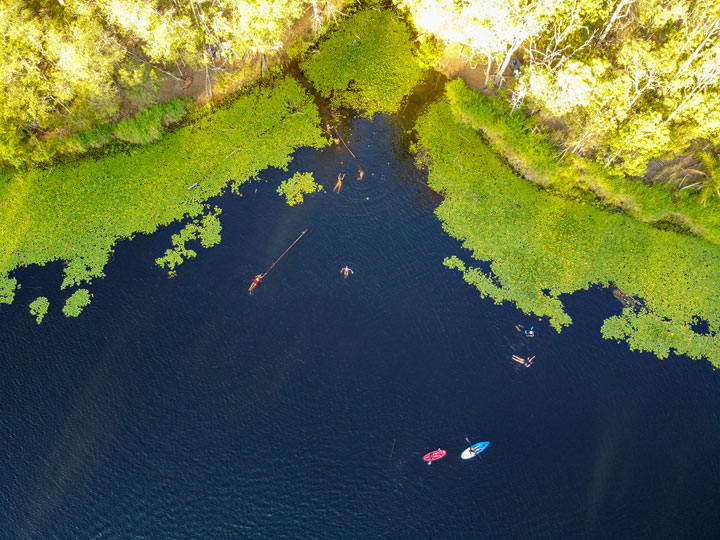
(541, 246)
(39, 308)
(206, 229)
(77, 212)
(297, 186)
(76, 303)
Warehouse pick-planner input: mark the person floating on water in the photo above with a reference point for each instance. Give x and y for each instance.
(527, 362)
(338, 186)
(361, 173)
(346, 271)
(256, 281)
(172, 274)
(528, 333)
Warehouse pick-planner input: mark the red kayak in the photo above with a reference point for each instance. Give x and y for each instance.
(434, 455)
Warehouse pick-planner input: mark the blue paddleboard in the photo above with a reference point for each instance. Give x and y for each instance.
(473, 450)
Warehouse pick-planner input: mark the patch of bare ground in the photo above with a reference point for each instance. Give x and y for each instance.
(684, 171)
(453, 65)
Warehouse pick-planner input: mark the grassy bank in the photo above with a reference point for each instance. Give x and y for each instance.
(77, 212)
(542, 246)
(535, 157)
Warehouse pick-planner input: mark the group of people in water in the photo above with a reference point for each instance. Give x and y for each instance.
(527, 362)
(345, 271)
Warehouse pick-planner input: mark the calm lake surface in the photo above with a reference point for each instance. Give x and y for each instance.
(185, 408)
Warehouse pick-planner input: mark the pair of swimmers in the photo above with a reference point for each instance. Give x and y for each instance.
(341, 177)
(527, 362)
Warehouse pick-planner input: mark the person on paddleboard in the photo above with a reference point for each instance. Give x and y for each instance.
(346, 271)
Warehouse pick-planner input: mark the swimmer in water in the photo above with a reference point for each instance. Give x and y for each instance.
(346, 271)
(361, 173)
(338, 186)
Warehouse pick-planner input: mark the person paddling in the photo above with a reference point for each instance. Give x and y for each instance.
(256, 281)
(346, 271)
(260, 276)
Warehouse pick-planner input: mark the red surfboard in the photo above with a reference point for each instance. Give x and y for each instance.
(434, 455)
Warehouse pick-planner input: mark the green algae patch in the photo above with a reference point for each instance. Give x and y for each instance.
(78, 211)
(541, 246)
(206, 229)
(295, 188)
(39, 308)
(76, 303)
(369, 63)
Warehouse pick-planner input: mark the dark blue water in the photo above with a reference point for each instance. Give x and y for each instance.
(186, 408)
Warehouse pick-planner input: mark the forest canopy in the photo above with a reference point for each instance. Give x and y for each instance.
(632, 84)
(624, 81)
(70, 65)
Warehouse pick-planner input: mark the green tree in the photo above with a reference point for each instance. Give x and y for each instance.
(490, 29)
(70, 66)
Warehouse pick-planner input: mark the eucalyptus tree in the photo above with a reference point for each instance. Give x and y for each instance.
(643, 85)
(55, 75)
(489, 29)
(70, 65)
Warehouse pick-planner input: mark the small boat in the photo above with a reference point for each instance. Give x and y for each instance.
(434, 455)
(473, 450)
